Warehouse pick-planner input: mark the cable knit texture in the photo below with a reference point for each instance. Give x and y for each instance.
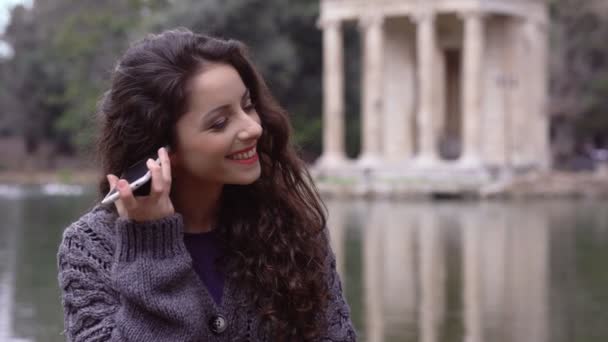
(123, 280)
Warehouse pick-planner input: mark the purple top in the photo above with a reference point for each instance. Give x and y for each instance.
(204, 249)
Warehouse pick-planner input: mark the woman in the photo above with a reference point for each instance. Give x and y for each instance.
(231, 243)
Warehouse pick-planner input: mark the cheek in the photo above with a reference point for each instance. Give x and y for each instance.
(206, 166)
(205, 153)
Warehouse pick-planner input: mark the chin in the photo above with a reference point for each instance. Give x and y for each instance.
(243, 180)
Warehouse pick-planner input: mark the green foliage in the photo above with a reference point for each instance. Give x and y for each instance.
(65, 176)
(579, 67)
(65, 50)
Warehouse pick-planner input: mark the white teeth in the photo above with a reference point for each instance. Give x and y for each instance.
(246, 155)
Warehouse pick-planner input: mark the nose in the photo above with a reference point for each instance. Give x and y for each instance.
(252, 130)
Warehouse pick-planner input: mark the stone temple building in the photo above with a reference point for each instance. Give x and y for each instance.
(453, 94)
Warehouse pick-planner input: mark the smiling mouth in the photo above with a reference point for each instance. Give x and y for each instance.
(249, 154)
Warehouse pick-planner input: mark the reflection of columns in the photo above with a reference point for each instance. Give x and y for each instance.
(373, 273)
(400, 276)
(494, 279)
(528, 278)
(431, 278)
(471, 278)
(336, 223)
(373, 45)
(9, 249)
(333, 94)
(426, 41)
(472, 72)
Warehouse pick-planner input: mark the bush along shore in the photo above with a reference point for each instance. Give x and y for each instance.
(538, 185)
(63, 176)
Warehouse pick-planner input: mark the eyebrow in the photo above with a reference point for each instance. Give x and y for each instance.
(245, 95)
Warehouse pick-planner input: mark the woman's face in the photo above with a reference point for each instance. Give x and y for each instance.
(221, 120)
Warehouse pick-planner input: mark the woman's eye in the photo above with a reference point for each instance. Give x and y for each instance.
(220, 124)
(249, 107)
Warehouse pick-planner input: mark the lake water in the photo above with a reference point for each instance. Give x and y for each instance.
(412, 271)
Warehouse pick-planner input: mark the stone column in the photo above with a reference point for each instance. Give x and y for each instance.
(440, 119)
(426, 133)
(537, 32)
(398, 92)
(519, 116)
(373, 46)
(333, 95)
(544, 151)
(472, 77)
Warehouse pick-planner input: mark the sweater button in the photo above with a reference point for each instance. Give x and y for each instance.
(218, 324)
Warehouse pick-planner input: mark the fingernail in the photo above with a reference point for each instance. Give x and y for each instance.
(121, 184)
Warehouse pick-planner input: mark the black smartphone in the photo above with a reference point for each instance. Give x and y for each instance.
(139, 178)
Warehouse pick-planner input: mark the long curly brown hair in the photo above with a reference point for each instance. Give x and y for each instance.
(273, 230)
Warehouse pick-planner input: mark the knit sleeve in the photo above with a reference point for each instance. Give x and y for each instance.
(339, 324)
(138, 287)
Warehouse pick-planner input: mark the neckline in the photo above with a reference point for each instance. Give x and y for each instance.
(228, 300)
(231, 296)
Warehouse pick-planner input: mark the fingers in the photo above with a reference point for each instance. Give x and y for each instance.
(165, 164)
(119, 206)
(126, 195)
(158, 186)
(160, 183)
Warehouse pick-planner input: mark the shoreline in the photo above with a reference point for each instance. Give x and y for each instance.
(554, 184)
(63, 176)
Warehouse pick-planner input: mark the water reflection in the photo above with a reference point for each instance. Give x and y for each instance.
(30, 231)
(8, 268)
(411, 271)
(448, 272)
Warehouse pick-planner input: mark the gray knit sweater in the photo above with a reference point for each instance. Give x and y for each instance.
(123, 280)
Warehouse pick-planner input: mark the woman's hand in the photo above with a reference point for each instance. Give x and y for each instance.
(147, 208)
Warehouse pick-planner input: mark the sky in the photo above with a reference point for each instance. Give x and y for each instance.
(5, 6)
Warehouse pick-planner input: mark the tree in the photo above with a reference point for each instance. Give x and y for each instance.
(65, 49)
(579, 71)
(63, 52)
